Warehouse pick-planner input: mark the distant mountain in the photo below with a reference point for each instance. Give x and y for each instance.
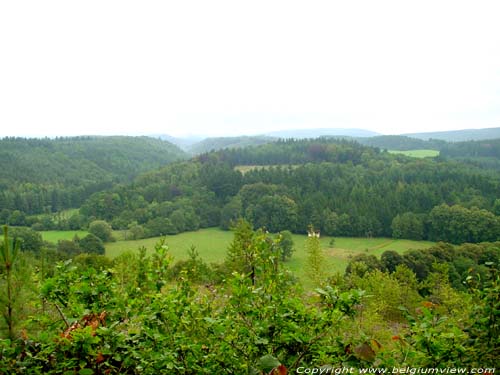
(400, 142)
(185, 143)
(218, 143)
(459, 135)
(321, 132)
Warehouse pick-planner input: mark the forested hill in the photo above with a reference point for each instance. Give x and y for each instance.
(460, 135)
(341, 187)
(401, 142)
(218, 143)
(52, 174)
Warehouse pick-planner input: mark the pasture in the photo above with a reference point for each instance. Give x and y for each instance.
(417, 153)
(56, 235)
(212, 244)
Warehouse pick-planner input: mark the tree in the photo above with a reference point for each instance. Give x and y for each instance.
(68, 248)
(241, 255)
(496, 207)
(274, 213)
(76, 222)
(160, 226)
(29, 239)
(231, 212)
(330, 222)
(390, 260)
(363, 263)
(92, 244)
(457, 224)
(17, 217)
(285, 244)
(9, 252)
(102, 230)
(316, 260)
(136, 231)
(409, 226)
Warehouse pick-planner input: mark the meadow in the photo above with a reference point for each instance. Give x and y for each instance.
(57, 235)
(417, 153)
(212, 244)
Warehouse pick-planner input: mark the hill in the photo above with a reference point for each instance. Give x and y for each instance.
(218, 143)
(459, 135)
(184, 143)
(400, 142)
(321, 132)
(40, 175)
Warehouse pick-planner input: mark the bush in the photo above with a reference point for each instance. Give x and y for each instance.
(92, 244)
(102, 230)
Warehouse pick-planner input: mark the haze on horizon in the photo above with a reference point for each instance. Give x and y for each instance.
(224, 68)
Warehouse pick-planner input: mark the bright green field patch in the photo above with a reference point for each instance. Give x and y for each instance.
(56, 235)
(210, 243)
(212, 246)
(417, 153)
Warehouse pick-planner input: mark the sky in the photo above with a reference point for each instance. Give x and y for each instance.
(222, 68)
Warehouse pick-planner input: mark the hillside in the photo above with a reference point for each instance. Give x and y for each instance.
(218, 143)
(52, 174)
(459, 135)
(321, 132)
(400, 142)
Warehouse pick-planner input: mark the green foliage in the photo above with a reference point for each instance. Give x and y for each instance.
(275, 213)
(9, 252)
(434, 340)
(391, 260)
(29, 239)
(128, 317)
(194, 268)
(484, 330)
(363, 263)
(285, 243)
(102, 230)
(408, 225)
(316, 260)
(91, 244)
(457, 224)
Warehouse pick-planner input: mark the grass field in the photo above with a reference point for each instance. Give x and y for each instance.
(212, 244)
(417, 153)
(56, 235)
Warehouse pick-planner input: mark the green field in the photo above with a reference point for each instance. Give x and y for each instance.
(56, 235)
(212, 244)
(417, 153)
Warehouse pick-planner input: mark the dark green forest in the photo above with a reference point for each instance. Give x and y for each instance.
(49, 175)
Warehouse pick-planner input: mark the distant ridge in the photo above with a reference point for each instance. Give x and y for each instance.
(459, 135)
(218, 143)
(185, 143)
(321, 132)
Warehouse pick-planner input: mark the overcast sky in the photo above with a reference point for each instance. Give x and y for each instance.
(247, 67)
